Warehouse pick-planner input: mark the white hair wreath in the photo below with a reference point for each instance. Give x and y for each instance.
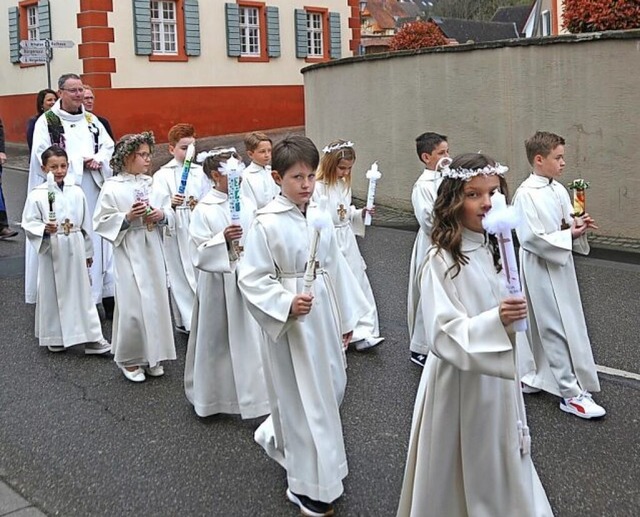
(335, 147)
(214, 152)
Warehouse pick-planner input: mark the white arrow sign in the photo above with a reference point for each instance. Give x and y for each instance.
(33, 52)
(32, 43)
(33, 59)
(60, 43)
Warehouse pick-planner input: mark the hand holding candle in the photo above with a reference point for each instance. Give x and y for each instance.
(51, 195)
(232, 168)
(373, 175)
(499, 221)
(191, 149)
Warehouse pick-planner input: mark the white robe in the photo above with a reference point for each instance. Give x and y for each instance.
(303, 360)
(65, 312)
(423, 197)
(142, 330)
(557, 330)
(79, 144)
(469, 448)
(258, 187)
(349, 222)
(223, 371)
(182, 276)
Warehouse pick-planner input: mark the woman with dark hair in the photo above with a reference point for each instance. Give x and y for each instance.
(46, 99)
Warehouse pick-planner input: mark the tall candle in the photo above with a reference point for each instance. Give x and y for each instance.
(373, 175)
(51, 195)
(186, 166)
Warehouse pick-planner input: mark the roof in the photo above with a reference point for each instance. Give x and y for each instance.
(518, 14)
(473, 30)
(386, 12)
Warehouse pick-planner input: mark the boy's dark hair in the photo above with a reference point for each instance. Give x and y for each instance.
(252, 140)
(54, 150)
(40, 99)
(427, 142)
(180, 131)
(211, 164)
(294, 149)
(542, 143)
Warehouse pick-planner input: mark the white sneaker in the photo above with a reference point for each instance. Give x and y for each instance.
(368, 343)
(56, 348)
(526, 389)
(582, 406)
(136, 375)
(97, 348)
(156, 371)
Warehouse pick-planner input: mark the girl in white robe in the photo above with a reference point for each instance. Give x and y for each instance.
(127, 217)
(223, 371)
(303, 360)
(334, 182)
(65, 312)
(469, 449)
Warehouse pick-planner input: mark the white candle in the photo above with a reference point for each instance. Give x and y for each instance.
(373, 175)
(191, 149)
(51, 195)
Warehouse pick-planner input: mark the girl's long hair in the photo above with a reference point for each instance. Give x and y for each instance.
(448, 208)
(328, 169)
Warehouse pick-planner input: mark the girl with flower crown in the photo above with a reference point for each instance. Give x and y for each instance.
(469, 449)
(334, 182)
(129, 217)
(223, 371)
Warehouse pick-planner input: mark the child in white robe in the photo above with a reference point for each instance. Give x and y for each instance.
(469, 449)
(334, 182)
(431, 148)
(558, 338)
(303, 360)
(130, 219)
(223, 371)
(258, 187)
(166, 183)
(65, 312)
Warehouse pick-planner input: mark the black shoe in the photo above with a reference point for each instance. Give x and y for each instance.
(108, 304)
(418, 359)
(182, 330)
(308, 506)
(7, 233)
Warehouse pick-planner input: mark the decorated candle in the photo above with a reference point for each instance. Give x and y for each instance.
(373, 175)
(191, 149)
(579, 188)
(51, 195)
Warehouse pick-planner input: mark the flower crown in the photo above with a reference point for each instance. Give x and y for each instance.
(230, 166)
(335, 147)
(128, 145)
(214, 152)
(466, 174)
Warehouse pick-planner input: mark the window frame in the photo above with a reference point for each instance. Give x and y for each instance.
(262, 56)
(24, 6)
(181, 54)
(323, 12)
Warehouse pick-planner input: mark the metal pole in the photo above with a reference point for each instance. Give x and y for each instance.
(47, 45)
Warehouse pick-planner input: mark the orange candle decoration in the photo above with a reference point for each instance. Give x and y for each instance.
(579, 187)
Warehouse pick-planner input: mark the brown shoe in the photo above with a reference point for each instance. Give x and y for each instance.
(7, 233)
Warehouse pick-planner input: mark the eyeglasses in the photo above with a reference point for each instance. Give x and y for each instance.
(73, 91)
(145, 156)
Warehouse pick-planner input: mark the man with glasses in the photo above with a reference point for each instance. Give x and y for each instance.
(89, 148)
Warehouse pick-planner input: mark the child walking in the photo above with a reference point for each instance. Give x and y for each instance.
(126, 216)
(557, 331)
(431, 148)
(469, 445)
(65, 313)
(223, 371)
(334, 182)
(166, 183)
(258, 187)
(303, 360)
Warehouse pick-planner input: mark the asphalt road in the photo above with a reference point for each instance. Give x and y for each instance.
(77, 439)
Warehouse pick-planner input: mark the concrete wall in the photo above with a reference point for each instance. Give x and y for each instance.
(491, 97)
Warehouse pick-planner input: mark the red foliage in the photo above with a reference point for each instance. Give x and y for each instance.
(415, 35)
(601, 15)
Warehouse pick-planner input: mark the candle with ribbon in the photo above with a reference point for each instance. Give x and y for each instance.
(579, 188)
(373, 175)
(500, 221)
(233, 168)
(51, 195)
(191, 149)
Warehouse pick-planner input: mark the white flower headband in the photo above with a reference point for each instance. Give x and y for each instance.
(467, 174)
(335, 147)
(214, 152)
(232, 165)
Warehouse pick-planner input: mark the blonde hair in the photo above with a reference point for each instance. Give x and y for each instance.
(252, 140)
(328, 170)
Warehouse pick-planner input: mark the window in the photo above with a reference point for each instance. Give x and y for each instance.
(314, 35)
(249, 31)
(546, 23)
(33, 31)
(164, 28)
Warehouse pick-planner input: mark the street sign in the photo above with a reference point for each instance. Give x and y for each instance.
(32, 43)
(33, 59)
(33, 52)
(60, 43)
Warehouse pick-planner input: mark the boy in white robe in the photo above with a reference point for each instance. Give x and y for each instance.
(431, 148)
(258, 187)
(166, 183)
(65, 312)
(303, 360)
(223, 371)
(557, 332)
(129, 217)
(469, 449)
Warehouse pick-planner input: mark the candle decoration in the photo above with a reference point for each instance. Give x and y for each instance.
(579, 188)
(373, 175)
(51, 195)
(191, 149)
(233, 168)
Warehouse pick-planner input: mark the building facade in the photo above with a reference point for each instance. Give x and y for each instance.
(224, 65)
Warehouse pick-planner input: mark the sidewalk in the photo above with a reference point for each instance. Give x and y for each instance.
(12, 504)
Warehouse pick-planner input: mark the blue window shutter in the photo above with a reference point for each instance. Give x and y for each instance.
(191, 28)
(273, 32)
(335, 48)
(142, 27)
(301, 33)
(44, 19)
(14, 34)
(232, 12)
